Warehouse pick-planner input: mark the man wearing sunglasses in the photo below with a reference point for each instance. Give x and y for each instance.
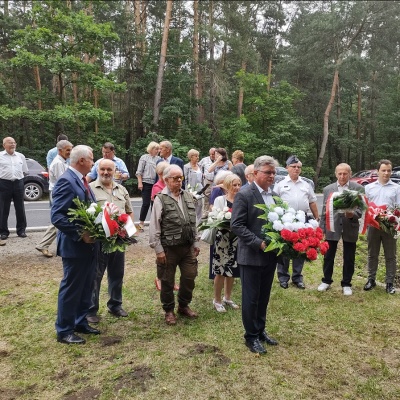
(173, 236)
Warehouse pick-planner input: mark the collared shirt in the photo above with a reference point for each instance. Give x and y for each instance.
(205, 165)
(118, 162)
(118, 195)
(344, 187)
(58, 166)
(12, 166)
(147, 168)
(297, 194)
(51, 155)
(266, 195)
(155, 221)
(168, 159)
(388, 194)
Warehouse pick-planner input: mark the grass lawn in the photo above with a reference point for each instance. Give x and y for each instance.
(330, 346)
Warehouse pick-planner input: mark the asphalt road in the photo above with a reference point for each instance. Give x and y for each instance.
(38, 213)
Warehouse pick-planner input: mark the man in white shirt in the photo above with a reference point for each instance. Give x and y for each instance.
(382, 192)
(13, 168)
(299, 195)
(58, 166)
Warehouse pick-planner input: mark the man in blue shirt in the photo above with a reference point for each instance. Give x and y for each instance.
(52, 153)
(121, 172)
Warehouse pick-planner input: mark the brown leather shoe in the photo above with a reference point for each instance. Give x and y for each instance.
(170, 318)
(45, 252)
(187, 312)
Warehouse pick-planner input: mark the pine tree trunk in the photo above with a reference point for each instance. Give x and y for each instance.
(163, 56)
(241, 93)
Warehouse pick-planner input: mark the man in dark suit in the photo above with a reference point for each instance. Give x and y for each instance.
(166, 155)
(346, 226)
(257, 268)
(78, 252)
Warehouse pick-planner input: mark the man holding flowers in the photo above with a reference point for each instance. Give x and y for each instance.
(300, 196)
(78, 251)
(107, 190)
(257, 268)
(383, 192)
(345, 226)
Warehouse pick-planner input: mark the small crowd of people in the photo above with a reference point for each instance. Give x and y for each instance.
(179, 197)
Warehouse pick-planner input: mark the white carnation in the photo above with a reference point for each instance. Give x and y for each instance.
(277, 225)
(226, 209)
(220, 216)
(273, 216)
(289, 226)
(228, 215)
(92, 209)
(291, 210)
(288, 217)
(279, 210)
(301, 216)
(314, 223)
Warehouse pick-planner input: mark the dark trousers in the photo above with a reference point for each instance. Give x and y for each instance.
(146, 200)
(256, 290)
(349, 256)
(297, 269)
(12, 191)
(74, 296)
(114, 263)
(182, 256)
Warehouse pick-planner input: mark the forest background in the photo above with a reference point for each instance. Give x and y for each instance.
(319, 79)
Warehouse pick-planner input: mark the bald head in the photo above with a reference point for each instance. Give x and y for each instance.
(106, 170)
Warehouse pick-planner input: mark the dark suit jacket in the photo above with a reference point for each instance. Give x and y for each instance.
(69, 243)
(247, 226)
(176, 161)
(347, 228)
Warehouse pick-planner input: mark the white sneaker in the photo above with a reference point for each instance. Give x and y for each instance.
(219, 307)
(347, 291)
(323, 287)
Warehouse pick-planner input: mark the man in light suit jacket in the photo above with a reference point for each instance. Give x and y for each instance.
(346, 226)
(166, 155)
(257, 268)
(78, 252)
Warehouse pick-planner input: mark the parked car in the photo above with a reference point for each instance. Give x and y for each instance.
(365, 177)
(281, 171)
(36, 182)
(371, 175)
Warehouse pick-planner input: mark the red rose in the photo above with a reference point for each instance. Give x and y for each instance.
(392, 219)
(396, 212)
(324, 246)
(300, 247)
(312, 254)
(286, 234)
(113, 225)
(123, 218)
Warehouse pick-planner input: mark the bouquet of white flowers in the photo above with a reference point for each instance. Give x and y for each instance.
(217, 219)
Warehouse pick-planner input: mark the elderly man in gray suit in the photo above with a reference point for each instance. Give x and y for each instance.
(257, 268)
(346, 226)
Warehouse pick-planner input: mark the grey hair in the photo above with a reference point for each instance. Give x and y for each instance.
(248, 169)
(80, 151)
(161, 167)
(265, 160)
(62, 144)
(167, 144)
(220, 177)
(170, 168)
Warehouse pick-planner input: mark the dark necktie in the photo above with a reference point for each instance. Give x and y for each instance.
(88, 196)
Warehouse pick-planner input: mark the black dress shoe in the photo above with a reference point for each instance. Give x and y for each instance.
(267, 339)
(87, 329)
(283, 285)
(70, 339)
(4, 237)
(300, 285)
(255, 346)
(370, 284)
(390, 288)
(23, 235)
(118, 313)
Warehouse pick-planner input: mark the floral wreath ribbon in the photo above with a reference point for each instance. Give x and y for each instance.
(367, 217)
(110, 226)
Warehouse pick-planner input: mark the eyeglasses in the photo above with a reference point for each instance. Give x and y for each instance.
(295, 166)
(267, 172)
(176, 178)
